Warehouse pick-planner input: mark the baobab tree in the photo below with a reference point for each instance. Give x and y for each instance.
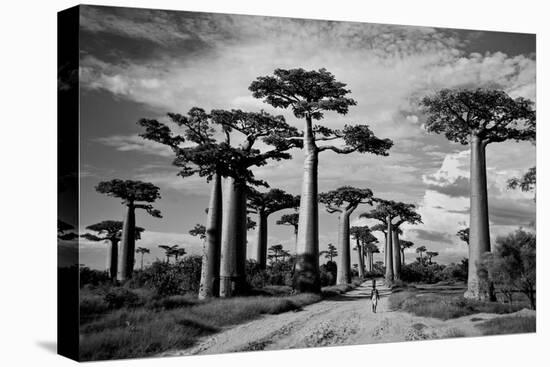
(478, 117)
(363, 237)
(330, 253)
(277, 251)
(420, 250)
(370, 250)
(135, 195)
(264, 204)
(430, 255)
(169, 251)
(110, 231)
(215, 160)
(142, 251)
(404, 244)
(290, 220)
(392, 215)
(310, 94)
(344, 201)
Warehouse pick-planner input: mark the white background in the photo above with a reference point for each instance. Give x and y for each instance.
(28, 161)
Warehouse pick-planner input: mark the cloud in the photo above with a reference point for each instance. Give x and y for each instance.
(432, 236)
(459, 188)
(127, 143)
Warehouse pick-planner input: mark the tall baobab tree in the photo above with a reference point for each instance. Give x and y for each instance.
(478, 117)
(110, 231)
(135, 195)
(264, 204)
(310, 94)
(404, 245)
(290, 220)
(370, 250)
(406, 213)
(142, 251)
(344, 201)
(251, 128)
(215, 160)
(330, 253)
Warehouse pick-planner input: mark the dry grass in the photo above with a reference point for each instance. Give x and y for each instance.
(446, 306)
(145, 331)
(509, 325)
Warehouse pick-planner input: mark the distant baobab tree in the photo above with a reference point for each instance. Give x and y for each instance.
(169, 251)
(290, 220)
(111, 232)
(264, 204)
(135, 195)
(142, 251)
(404, 245)
(370, 249)
(310, 94)
(344, 201)
(430, 255)
(362, 236)
(330, 253)
(276, 252)
(420, 250)
(479, 117)
(392, 215)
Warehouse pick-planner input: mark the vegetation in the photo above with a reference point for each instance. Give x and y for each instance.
(344, 201)
(509, 325)
(310, 94)
(479, 117)
(135, 195)
(511, 267)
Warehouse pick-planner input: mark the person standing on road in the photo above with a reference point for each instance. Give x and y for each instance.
(374, 296)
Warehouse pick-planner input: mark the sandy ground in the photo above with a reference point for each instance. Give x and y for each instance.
(347, 319)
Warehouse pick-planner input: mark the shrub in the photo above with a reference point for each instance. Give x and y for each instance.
(119, 297)
(92, 277)
(509, 325)
(328, 273)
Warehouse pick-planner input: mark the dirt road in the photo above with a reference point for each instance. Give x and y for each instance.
(346, 319)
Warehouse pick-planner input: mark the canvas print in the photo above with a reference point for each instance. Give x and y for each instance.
(233, 183)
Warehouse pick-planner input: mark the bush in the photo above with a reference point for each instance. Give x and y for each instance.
(328, 274)
(93, 277)
(169, 279)
(121, 297)
(509, 325)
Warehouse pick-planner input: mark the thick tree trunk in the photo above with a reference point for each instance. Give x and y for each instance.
(396, 255)
(306, 277)
(479, 217)
(343, 275)
(261, 250)
(113, 259)
(233, 249)
(369, 261)
(389, 253)
(128, 244)
(210, 270)
(360, 259)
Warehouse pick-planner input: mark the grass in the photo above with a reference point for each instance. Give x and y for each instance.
(145, 331)
(446, 306)
(509, 325)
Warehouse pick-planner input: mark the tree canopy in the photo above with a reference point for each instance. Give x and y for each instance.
(198, 231)
(527, 182)
(491, 115)
(132, 192)
(330, 252)
(345, 198)
(209, 155)
(464, 235)
(289, 220)
(306, 92)
(109, 230)
(271, 201)
(403, 211)
(363, 234)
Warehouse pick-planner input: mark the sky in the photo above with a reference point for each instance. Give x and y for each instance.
(139, 63)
